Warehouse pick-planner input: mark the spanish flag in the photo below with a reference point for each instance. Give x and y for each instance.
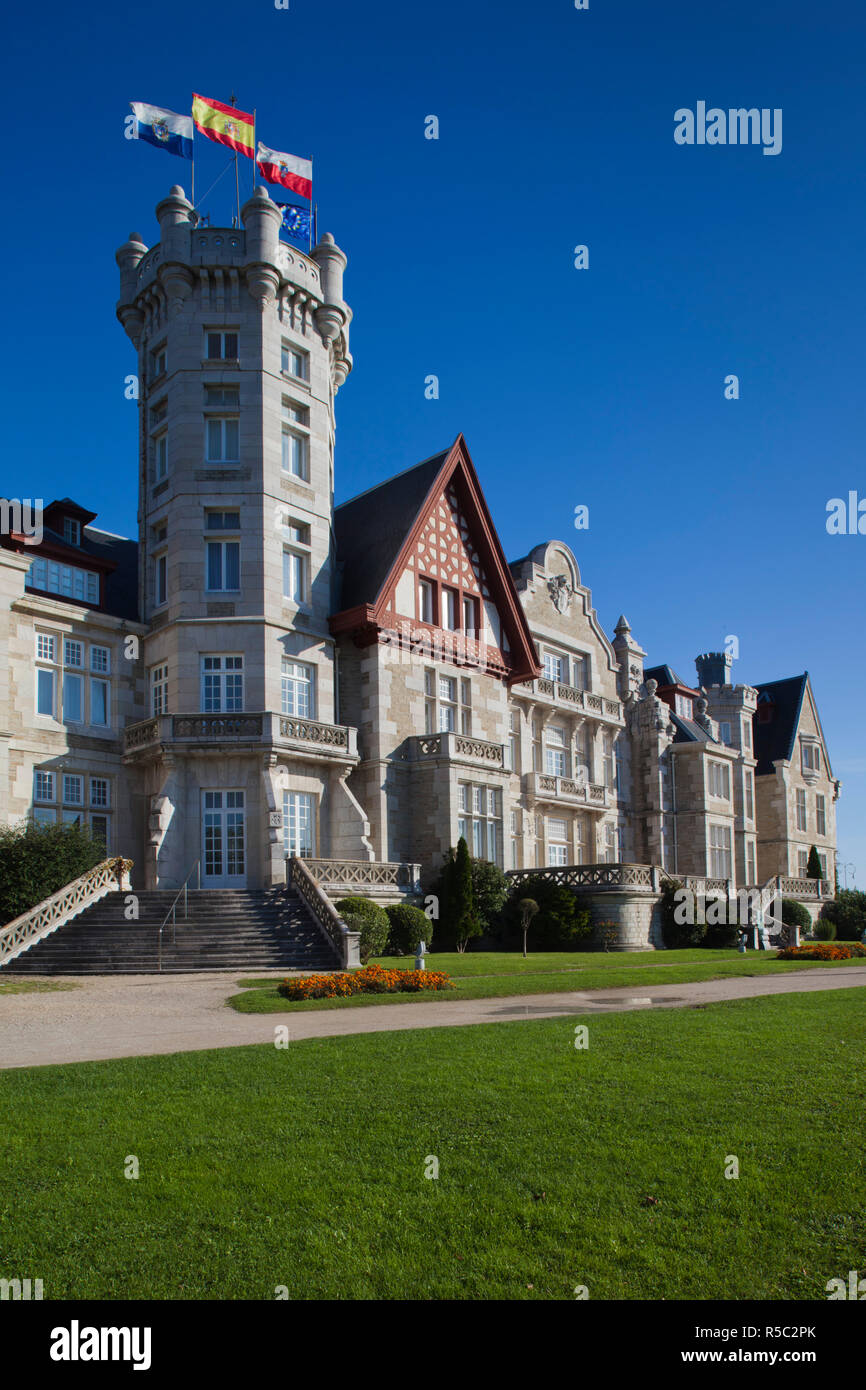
(225, 124)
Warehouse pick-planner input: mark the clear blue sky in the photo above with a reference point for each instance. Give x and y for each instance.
(605, 386)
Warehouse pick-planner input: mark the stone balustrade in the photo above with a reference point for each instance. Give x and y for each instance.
(266, 729)
(569, 695)
(456, 747)
(544, 786)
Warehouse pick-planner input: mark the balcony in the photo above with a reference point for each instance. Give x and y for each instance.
(569, 697)
(458, 748)
(306, 738)
(566, 791)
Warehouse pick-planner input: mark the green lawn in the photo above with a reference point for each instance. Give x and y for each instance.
(12, 984)
(496, 975)
(558, 1167)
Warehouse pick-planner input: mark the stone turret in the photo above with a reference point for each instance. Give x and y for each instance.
(714, 668)
(631, 657)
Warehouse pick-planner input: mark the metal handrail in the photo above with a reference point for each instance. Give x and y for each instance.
(172, 911)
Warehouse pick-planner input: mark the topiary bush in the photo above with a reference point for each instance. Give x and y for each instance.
(794, 914)
(824, 930)
(848, 912)
(409, 925)
(372, 922)
(37, 860)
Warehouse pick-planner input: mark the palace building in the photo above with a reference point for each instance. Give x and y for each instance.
(263, 674)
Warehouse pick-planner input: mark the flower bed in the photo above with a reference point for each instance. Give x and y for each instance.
(373, 979)
(823, 950)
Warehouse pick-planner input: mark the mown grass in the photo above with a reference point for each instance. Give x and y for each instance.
(304, 1167)
(549, 974)
(11, 984)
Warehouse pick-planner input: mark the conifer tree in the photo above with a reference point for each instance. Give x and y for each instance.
(813, 866)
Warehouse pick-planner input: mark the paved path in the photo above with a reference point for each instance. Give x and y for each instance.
(141, 1015)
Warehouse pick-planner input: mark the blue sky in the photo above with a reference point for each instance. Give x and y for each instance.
(603, 386)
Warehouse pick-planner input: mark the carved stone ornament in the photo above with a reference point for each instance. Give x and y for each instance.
(560, 593)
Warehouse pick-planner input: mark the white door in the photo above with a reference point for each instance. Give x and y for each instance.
(223, 855)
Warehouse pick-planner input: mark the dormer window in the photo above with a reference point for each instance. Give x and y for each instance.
(71, 530)
(811, 759)
(684, 706)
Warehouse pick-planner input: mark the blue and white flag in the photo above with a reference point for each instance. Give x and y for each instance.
(164, 129)
(297, 225)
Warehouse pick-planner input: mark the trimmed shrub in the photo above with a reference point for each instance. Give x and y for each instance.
(372, 922)
(813, 864)
(560, 924)
(37, 860)
(848, 912)
(409, 925)
(794, 914)
(720, 936)
(678, 935)
(824, 930)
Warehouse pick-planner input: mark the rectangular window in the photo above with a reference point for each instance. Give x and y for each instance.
(99, 831)
(222, 684)
(556, 668)
(99, 703)
(296, 440)
(160, 457)
(720, 781)
(295, 362)
(802, 863)
(71, 530)
(160, 581)
(820, 815)
(802, 815)
(298, 824)
(447, 704)
(100, 660)
(297, 689)
(65, 580)
(684, 706)
(45, 647)
(483, 832)
(222, 346)
(73, 790)
(222, 521)
(43, 816)
(811, 757)
(747, 734)
(470, 616)
(750, 795)
(725, 731)
(296, 585)
(157, 362)
(43, 786)
(99, 791)
(73, 698)
(555, 755)
(425, 601)
(449, 609)
(45, 692)
(609, 780)
(580, 678)
(720, 851)
(73, 654)
(751, 872)
(223, 566)
(159, 690)
(223, 439)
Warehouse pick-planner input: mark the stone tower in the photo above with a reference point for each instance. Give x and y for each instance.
(242, 345)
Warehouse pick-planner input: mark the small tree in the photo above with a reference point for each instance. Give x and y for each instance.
(813, 865)
(528, 909)
(463, 918)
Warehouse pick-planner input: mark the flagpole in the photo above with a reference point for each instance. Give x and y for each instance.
(255, 165)
(192, 174)
(237, 182)
(314, 226)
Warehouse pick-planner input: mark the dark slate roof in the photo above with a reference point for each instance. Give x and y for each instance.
(687, 731)
(775, 740)
(665, 675)
(121, 586)
(371, 528)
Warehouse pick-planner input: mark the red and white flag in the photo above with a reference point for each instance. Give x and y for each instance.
(286, 169)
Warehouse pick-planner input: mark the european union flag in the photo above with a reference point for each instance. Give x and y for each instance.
(297, 226)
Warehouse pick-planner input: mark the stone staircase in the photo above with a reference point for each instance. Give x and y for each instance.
(230, 930)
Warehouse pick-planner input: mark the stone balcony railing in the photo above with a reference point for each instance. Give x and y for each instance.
(804, 888)
(641, 878)
(306, 737)
(599, 706)
(570, 791)
(348, 874)
(456, 747)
